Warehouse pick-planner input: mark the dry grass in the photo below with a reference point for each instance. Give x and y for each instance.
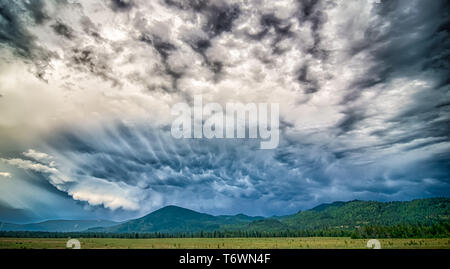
(224, 243)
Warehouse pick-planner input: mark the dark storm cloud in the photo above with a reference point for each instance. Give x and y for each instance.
(415, 44)
(16, 18)
(89, 60)
(271, 21)
(37, 10)
(121, 5)
(280, 27)
(220, 19)
(200, 46)
(164, 49)
(196, 5)
(311, 85)
(363, 92)
(152, 159)
(13, 31)
(62, 29)
(220, 16)
(416, 41)
(312, 11)
(90, 28)
(350, 120)
(286, 179)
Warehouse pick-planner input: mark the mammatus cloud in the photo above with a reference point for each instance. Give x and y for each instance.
(363, 91)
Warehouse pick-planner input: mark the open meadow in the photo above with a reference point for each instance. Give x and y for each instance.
(225, 243)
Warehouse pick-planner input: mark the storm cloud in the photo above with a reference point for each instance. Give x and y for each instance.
(87, 88)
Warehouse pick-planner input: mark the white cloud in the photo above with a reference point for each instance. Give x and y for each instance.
(38, 156)
(95, 191)
(5, 174)
(111, 195)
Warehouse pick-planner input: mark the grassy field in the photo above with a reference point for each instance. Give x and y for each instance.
(224, 243)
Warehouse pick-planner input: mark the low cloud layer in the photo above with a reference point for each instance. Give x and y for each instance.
(86, 89)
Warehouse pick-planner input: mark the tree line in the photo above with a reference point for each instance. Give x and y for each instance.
(441, 230)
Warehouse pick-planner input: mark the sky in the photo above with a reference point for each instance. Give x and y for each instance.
(87, 87)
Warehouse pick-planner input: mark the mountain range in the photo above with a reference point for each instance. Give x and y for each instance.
(57, 225)
(174, 219)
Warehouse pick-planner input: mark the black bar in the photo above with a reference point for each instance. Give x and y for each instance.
(84, 258)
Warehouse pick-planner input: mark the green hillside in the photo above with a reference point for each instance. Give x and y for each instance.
(173, 219)
(360, 213)
(337, 215)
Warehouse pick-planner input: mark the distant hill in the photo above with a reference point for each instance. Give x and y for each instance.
(172, 219)
(237, 219)
(57, 225)
(15, 215)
